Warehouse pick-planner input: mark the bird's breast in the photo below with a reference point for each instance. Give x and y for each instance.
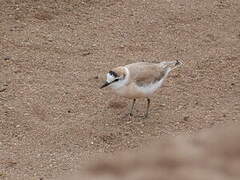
(131, 91)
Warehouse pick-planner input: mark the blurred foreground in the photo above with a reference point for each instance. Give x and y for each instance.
(213, 154)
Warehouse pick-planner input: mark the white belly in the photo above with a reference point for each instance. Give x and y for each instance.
(150, 88)
(134, 91)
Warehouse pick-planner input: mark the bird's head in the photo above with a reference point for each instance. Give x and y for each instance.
(114, 77)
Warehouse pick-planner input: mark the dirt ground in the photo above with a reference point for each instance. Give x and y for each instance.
(54, 56)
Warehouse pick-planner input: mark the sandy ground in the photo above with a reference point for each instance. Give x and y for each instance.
(53, 59)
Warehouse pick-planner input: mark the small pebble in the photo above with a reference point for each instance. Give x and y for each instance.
(186, 118)
(7, 58)
(86, 53)
(3, 89)
(2, 174)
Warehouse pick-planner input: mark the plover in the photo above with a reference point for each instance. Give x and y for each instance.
(139, 80)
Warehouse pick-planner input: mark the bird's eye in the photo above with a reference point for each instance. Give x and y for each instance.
(113, 73)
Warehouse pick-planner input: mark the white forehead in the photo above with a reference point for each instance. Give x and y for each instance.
(110, 77)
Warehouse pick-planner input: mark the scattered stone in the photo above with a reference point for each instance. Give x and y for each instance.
(2, 174)
(224, 115)
(186, 118)
(3, 89)
(238, 35)
(7, 58)
(11, 164)
(86, 53)
(95, 77)
(17, 71)
(69, 111)
(43, 16)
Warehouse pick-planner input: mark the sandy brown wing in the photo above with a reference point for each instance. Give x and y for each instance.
(147, 74)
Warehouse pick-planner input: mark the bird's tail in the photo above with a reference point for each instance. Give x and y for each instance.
(170, 64)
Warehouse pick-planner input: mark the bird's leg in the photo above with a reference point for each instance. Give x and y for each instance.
(134, 100)
(148, 105)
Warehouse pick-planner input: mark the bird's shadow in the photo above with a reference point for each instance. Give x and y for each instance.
(136, 117)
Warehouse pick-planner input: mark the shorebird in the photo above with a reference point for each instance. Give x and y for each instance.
(139, 80)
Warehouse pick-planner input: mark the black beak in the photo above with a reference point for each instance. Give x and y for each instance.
(105, 84)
